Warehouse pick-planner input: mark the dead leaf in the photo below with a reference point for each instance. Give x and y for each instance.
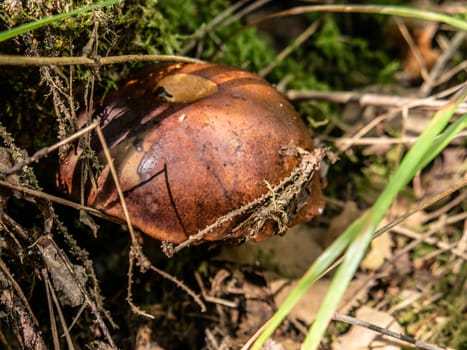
(360, 338)
(340, 223)
(144, 339)
(308, 306)
(380, 250)
(272, 345)
(286, 342)
(413, 37)
(289, 255)
(446, 171)
(401, 206)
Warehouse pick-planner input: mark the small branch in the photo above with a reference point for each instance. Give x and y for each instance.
(63, 260)
(343, 142)
(356, 322)
(180, 285)
(116, 180)
(133, 255)
(47, 150)
(422, 206)
(18, 290)
(211, 299)
(53, 323)
(50, 289)
(242, 13)
(136, 253)
(17, 60)
(368, 99)
(14, 226)
(425, 237)
(59, 200)
(434, 15)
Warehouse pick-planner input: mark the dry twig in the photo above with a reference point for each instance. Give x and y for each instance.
(14, 60)
(353, 321)
(369, 99)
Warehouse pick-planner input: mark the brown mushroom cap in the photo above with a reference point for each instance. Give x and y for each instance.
(191, 143)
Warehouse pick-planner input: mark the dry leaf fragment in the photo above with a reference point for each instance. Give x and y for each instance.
(340, 222)
(289, 255)
(360, 338)
(308, 305)
(380, 250)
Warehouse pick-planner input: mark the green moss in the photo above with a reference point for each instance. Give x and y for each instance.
(247, 50)
(444, 320)
(30, 100)
(153, 32)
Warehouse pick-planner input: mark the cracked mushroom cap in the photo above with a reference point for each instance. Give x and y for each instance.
(197, 146)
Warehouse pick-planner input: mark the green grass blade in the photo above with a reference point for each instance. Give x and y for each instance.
(340, 281)
(324, 261)
(11, 33)
(360, 233)
(445, 138)
(414, 159)
(410, 12)
(412, 162)
(401, 11)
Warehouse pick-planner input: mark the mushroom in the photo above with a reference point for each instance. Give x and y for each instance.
(201, 148)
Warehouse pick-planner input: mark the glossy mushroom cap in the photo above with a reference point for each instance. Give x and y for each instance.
(191, 143)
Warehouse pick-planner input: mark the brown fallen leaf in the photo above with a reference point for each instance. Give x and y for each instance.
(340, 223)
(144, 339)
(308, 306)
(380, 250)
(413, 38)
(360, 338)
(445, 172)
(289, 255)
